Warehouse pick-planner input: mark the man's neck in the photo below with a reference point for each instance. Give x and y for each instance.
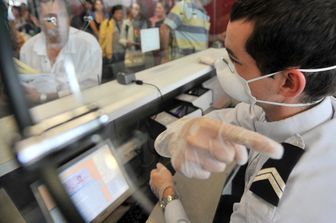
(52, 54)
(277, 113)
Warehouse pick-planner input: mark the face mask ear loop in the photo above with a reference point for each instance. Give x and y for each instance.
(318, 69)
(262, 77)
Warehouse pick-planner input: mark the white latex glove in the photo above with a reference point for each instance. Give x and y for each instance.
(160, 180)
(200, 146)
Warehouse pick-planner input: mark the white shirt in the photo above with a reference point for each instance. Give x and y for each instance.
(174, 213)
(82, 48)
(309, 193)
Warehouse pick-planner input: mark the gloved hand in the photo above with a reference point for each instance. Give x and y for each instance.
(160, 180)
(200, 146)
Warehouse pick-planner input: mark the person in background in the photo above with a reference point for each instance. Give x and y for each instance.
(147, 7)
(17, 17)
(156, 21)
(98, 17)
(159, 15)
(105, 39)
(118, 55)
(82, 15)
(185, 29)
(78, 12)
(31, 24)
(48, 52)
(130, 38)
(170, 4)
(88, 5)
(18, 39)
(113, 51)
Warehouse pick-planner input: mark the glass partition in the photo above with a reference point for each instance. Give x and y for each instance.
(63, 47)
(4, 110)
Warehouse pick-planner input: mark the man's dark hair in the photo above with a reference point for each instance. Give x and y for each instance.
(293, 33)
(116, 8)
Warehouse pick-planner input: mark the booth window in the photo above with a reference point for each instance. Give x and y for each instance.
(62, 47)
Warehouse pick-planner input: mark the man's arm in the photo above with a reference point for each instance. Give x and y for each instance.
(34, 97)
(173, 21)
(199, 146)
(162, 185)
(164, 39)
(94, 28)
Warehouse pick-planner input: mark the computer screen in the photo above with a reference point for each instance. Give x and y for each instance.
(95, 183)
(150, 39)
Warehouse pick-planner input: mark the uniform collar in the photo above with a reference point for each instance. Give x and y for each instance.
(40, 46)
(298, 124)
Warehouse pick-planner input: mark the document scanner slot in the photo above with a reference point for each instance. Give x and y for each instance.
(197, 91)
(180, 109)
(199, 97)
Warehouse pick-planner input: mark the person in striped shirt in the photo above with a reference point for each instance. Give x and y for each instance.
(185, 30)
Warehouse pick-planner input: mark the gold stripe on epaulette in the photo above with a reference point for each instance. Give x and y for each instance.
(276, 181)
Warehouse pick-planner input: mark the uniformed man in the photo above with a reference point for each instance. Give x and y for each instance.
(281, 64)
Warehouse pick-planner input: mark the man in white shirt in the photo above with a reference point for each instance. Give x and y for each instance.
(48, 52)
(282, 59)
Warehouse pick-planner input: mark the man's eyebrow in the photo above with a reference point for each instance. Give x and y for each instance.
(233, 56)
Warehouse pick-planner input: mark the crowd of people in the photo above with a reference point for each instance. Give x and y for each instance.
(184, 29)
(102, 39)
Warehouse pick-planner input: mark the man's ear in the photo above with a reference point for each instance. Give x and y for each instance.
(293, 83)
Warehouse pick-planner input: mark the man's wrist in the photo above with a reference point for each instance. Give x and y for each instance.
(168, 196)
(169, 191)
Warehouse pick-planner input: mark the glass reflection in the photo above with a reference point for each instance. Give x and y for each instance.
(102, 38)
(62, 55)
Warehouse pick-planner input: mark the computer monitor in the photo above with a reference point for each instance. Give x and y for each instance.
(150, 39)
(94, 181)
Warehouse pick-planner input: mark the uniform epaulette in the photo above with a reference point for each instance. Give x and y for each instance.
(270, 182)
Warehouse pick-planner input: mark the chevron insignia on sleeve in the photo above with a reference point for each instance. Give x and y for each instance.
(270, 182)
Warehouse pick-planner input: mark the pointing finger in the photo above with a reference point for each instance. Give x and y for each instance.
(205, 129)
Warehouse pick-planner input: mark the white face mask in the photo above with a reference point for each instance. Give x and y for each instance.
(238, 88)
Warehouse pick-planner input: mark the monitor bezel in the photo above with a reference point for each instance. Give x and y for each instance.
(107, 211)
